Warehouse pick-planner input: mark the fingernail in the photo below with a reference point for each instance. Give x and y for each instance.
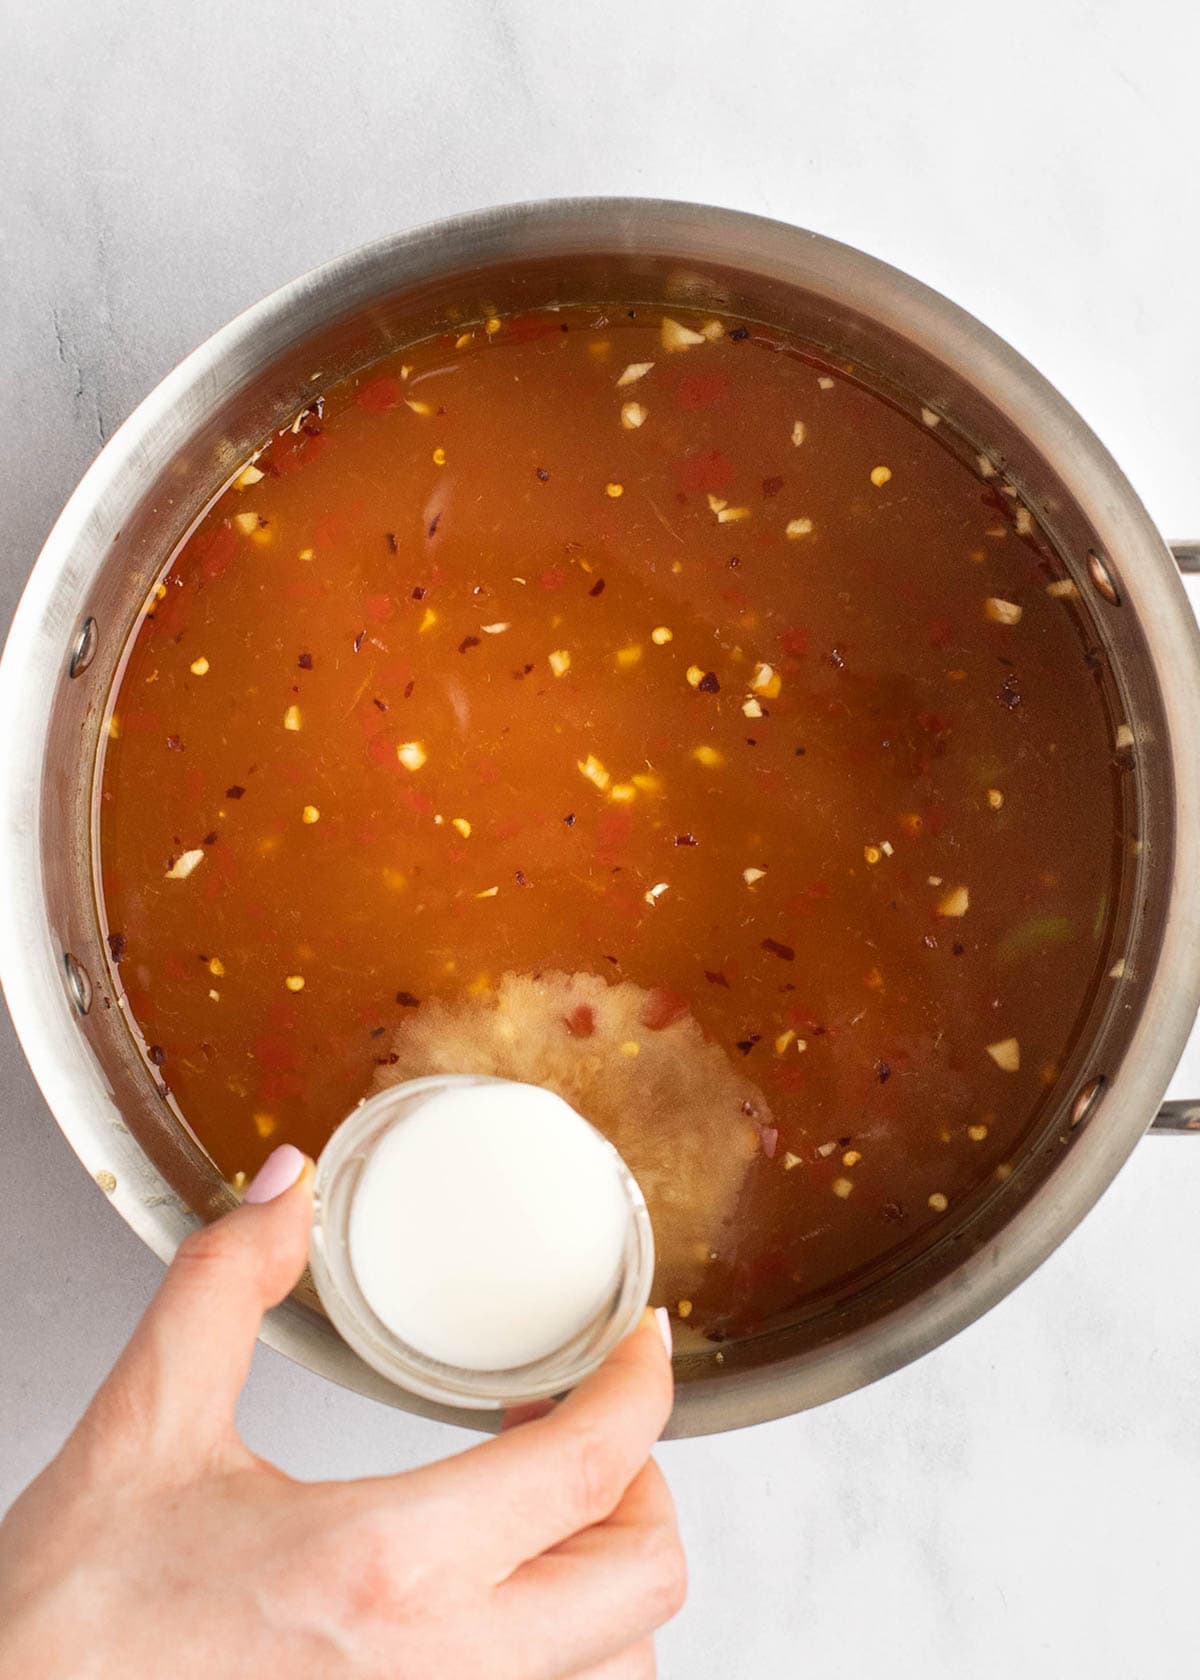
(662, 1323)
(278, 1173)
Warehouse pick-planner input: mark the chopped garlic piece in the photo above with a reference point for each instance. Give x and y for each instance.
(1063, 589)
(695, 675)
(1124, 737)
(246, 522)
(417, 406)
(495, 629)
(712, 330)
(938, 1202)
(185, 863)
(628, 656)
(751, 707)
(634, 372)
(766, 681)
(790, 1161)
(646, 781)
(674, 336)
(731, 515)
(1006, 1054)
(783, 1040)
(986, 468)
(1024, 522)
(660, 636)
(955, 903)
(842, 1187)
(716, 503)
(798, 528)
(751, 875)
(886, 847)
(428, 621)
(462, 825)
(880, 476)
(1117, 971)
(622, 792)
(929, 418)
(411, 754)
(249, 475)
(797, 433)
(708, 756)
(825, 1150)
(633, 415)
(1002, 612)
(294, 982)
(560, 662)
(595, 772)
(631, 1047)
(825, 382)
(488, 892)
(199, 667)
(653, 894)
(292, 719)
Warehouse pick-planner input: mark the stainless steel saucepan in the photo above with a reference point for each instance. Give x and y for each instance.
(170, 456)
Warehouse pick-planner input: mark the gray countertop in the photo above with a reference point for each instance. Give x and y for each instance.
(1028, 1496)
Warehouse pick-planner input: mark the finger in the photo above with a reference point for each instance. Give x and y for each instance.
(555, 1474)
(638, 1663)
(622, 1579)
(515, 1416)
(177, 1383)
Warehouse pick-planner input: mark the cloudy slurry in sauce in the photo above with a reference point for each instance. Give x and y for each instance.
(636, 707)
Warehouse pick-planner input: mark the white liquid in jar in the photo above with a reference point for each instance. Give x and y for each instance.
(488, 1226)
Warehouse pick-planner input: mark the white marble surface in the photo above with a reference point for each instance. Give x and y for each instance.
(1028, 1498)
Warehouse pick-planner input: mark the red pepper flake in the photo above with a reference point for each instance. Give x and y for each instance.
(305, 662)
(420, 592)
(174, 744)
(745, 1045)
(434, 523)
(956, 949)
(883, 1069)
(685, 839)
(234, 792)
(708, 683)
(777, 950)
(407, 1001)
(118, 944)
(1009, 694)
(467, 643)
(772, 486)
(521, 878)
(157, 1054)
(716, 978)
(569, 819)
(837, 658)
(733, 562)
(380, 705)
(662, 1009)
(210, 839)
(739, 333)
(543, 475)
(390, 538)
(893, 1212)
(359, 640)
(408, 688)
(376, 1032)
(800, 752)
(387, 1061)
(597, 588)
(581, 1022)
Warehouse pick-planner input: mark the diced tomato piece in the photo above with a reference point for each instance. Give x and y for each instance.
(378, 608)
(213, 551)
(662, 1008)
(553, 577)
(306, 449)
(708, 470)
(581, 1022)
(380, 395)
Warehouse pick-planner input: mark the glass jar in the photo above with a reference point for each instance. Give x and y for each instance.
(340, 1171)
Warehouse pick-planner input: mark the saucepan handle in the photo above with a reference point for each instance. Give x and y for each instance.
(1181, 1115)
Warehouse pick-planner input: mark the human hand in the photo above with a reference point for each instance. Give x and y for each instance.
(157, 1543)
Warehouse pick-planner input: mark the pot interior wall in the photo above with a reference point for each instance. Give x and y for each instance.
(156, 497)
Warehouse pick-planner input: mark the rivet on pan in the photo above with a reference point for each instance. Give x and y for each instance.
(1103, 579)
(78, 983)
(1085, 1101)
(84, 650)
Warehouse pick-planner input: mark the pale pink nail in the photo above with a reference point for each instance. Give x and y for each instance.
(278, 1173)
(662, 1319)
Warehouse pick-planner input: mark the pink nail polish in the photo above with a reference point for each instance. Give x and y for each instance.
(663, 1320)
(278, 1173)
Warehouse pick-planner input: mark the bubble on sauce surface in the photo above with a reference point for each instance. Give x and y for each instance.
(636, 1064)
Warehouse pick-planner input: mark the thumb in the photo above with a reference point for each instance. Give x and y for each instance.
(175, 1387)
